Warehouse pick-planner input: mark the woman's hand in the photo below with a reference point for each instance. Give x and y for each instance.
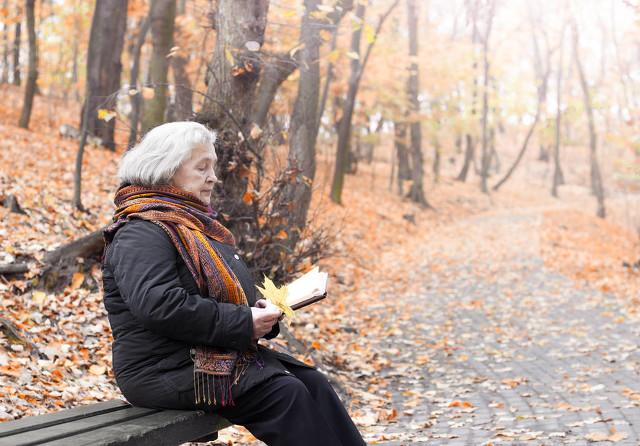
(265, 314)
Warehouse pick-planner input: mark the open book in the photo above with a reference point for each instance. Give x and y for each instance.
(307, 289)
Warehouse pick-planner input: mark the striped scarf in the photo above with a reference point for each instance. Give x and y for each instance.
(188, 222)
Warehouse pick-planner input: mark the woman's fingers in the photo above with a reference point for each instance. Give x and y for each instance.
(261, 303)
(263, 320)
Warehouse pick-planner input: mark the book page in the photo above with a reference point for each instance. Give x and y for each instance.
(312, 284)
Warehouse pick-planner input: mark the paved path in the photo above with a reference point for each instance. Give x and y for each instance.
(504, 351)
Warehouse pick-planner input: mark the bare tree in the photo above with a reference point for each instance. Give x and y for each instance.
(303, 132)
(348, 104)
(16, 50)
(472, 7)
(104, 67)
(32, 76)
(106, 40)
(163, 13)
(485, 157)
(136, 98)
(558, 177)
(276, 70)
(542, 70)
(416, 191)
(402, 153)
(183, 109)
(344, 127)
(596, 179)
(4, 77)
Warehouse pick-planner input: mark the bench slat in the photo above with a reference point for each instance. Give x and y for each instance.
(77, 426)
(167, 428)
(26, 424)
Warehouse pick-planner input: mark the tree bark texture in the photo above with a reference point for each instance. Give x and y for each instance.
(106, 41)
(183, 110)
(232, 78)
(277, 69)
(236, 64)
(16, 54)
(136, 99)
(303, 132)
(416, 192)
(344, 129)
(32, 76)
(4, 78)
(402, 152)
(163, 13)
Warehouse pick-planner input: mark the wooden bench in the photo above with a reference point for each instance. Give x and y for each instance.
(112, 423)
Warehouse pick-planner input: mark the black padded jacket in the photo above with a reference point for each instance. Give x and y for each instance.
(157, 315)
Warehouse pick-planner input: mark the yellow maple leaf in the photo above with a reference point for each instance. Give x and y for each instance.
(106, 115)
(277, 296)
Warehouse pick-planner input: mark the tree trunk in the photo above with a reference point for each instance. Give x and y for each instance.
(344, 130)
(542, 73)
(302, 141)
(402, 152)
(16, 55)
(77, 178)
(104, 67)
(136, 99)
(485, 156)
(278, 68)
(184, 93)
(558, 177)
(32, 76)
(596, 179)
(183, 110)
(469, 155)
(4, 77)
(437, 155)
(163, 13)
(236, 65)
(233, 74)
(416, 192)
(328, 79)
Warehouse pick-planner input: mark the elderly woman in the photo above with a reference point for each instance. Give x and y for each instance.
(183, 307)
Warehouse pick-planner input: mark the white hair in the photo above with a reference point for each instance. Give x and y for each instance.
(155, 159)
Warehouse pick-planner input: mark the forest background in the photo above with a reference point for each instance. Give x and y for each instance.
(346, 129)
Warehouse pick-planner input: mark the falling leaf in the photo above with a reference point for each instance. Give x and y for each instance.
(148, 93)
(38, 297)
(97, 369)
(76, 281)
(105, 114)
(256, 131)
(353, 55)
(173, 51)
(369, 34)
(247, 197)
(252, 45)
(229, 56)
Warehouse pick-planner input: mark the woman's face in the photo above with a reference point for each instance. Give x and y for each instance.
(196, 174)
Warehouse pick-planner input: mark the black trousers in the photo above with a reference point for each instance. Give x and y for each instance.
(301, 408)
